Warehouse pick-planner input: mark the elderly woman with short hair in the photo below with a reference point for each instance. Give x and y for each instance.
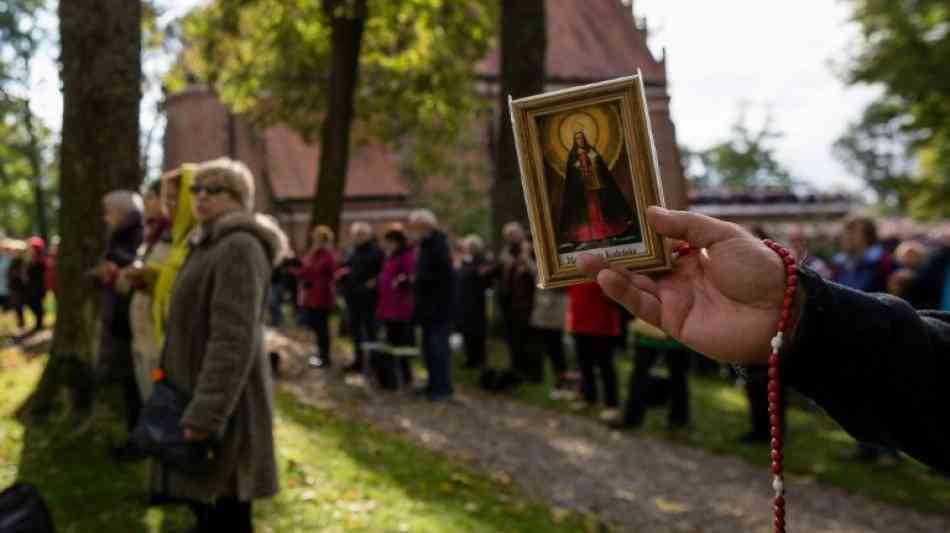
(434, 298)
(122, 213)
(214, 349)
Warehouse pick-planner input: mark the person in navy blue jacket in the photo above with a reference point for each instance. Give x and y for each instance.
(434, 285)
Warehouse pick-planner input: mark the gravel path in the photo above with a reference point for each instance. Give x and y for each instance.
(632, 482)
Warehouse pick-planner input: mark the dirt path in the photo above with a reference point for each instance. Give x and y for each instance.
(632, 482)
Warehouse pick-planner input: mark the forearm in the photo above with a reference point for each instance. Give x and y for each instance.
(875, 365)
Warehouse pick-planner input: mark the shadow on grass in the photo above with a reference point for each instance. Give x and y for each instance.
(442, 495)
(84, 488)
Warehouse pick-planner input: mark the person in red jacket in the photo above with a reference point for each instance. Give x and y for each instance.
(316, 295)
(594, 320)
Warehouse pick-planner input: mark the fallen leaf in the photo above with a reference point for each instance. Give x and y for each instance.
(669, 506)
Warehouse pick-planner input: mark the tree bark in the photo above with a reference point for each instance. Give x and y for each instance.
(347, 20)
(101, 65)
(523, 50)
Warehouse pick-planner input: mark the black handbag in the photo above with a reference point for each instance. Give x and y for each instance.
(22, 510)
(160, 435)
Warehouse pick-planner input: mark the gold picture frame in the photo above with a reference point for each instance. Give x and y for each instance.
(589, 171)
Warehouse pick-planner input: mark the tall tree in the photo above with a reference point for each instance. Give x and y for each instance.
(101, 73)
(879, 148)
(523, 51)
(746, 161)
(903, 47)
(268, 61)
(347, 19)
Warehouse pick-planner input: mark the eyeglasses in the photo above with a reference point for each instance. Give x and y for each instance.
(212, 190)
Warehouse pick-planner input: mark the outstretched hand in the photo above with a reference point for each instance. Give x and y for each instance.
(724, 302)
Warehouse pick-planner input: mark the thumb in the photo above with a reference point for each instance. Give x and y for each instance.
(698, 230)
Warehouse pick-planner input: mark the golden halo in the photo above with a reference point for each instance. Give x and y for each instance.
(600, 124)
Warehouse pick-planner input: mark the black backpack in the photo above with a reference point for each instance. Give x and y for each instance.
(22, 510)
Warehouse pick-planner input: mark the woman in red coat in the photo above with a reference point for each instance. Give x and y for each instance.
(594, 320)
(316, 296)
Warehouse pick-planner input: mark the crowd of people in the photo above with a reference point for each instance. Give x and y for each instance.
(190, 274)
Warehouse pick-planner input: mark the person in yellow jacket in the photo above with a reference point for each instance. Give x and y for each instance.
(152, 277)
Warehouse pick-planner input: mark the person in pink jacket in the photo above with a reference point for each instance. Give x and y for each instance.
(316, 296)
(395, 305)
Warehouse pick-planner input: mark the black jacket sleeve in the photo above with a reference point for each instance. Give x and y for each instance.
(876, 366)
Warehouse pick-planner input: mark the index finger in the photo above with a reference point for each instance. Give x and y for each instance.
(698, 230)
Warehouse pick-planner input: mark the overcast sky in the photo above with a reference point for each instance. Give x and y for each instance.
(766, 56)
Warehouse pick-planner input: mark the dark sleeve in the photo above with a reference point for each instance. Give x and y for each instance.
(437, 264)
(876, 366)
(924, 290)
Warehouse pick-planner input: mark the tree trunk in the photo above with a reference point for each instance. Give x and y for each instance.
(347, 20)
(101, 75)
(523, 47)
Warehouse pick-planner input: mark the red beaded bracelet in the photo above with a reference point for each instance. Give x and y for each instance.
(774, 385)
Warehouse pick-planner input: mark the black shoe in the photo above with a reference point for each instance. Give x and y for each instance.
(754, 438)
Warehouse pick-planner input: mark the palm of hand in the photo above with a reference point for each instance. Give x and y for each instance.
(724, 302)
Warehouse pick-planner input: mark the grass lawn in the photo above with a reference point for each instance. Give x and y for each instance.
(337, 475)
(815, 446)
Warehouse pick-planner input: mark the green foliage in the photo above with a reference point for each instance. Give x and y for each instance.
(269, 59)
(744, 162)
(904, 48)
(26, 145)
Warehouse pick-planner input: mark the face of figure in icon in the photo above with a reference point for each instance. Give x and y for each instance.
(580, 140)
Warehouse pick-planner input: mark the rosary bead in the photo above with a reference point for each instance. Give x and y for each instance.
(776, 456)
(773, 360)
(776, 467)
(773, 372)
(776, 443)
(774, 420)
(779, 501)
(791, 280)
(778, 485)
(773, 397)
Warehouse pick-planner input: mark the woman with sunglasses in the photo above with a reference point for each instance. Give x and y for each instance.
(214, 350)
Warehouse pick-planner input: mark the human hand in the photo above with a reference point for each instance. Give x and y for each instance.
(371, 283)
(724, 302)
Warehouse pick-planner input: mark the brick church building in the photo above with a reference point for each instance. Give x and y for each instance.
(200, 127)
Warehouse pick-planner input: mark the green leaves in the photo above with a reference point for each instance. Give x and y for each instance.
(269, 59)
(746, 161)
(901, 145)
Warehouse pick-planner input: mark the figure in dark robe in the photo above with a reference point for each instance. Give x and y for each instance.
(593, 207)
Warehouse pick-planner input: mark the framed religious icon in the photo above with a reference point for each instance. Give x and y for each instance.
(589, 170)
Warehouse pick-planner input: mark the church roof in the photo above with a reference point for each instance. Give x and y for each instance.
(589, 41)
(292, 168)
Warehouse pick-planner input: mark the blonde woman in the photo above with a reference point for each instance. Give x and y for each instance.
(214, 349)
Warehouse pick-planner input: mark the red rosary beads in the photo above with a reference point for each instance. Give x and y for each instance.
(774, 386)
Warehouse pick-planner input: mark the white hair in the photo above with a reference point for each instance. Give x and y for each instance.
(361, 228)
(512, 226)
(234, 174)
(474, 243)
(124, 201)
(424, 217)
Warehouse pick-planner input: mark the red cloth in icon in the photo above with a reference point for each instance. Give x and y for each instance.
(598, 228)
